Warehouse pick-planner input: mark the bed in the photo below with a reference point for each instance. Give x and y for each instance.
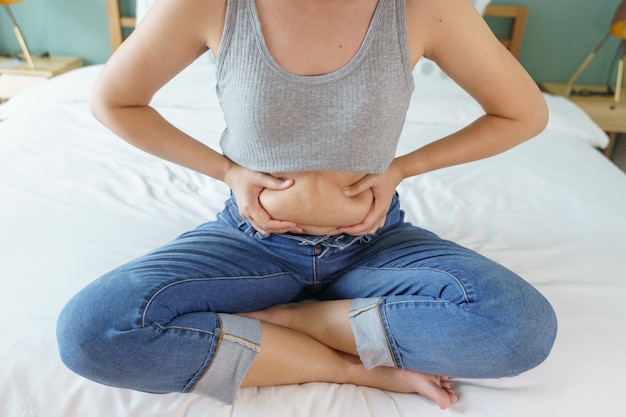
(75, 201)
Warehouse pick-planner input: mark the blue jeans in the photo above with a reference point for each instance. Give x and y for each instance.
(164, 322)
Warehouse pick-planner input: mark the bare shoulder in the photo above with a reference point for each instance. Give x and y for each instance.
(455, 35)
(178, 30)
(193, 21)
(434, 25)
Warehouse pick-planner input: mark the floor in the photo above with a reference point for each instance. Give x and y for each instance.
(619, 153)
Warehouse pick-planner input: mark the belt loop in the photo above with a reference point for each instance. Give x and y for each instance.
(233, 210)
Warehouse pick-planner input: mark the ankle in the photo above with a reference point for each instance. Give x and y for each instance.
(353, 371)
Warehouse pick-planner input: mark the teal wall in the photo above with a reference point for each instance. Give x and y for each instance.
(559, 34)
(61, 27)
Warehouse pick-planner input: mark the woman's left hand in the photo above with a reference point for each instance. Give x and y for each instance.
(383, 187)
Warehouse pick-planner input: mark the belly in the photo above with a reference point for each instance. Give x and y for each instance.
(316, 201)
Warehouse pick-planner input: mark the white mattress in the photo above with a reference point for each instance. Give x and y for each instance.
(75, 202)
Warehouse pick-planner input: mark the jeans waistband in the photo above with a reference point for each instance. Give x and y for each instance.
(232, 215)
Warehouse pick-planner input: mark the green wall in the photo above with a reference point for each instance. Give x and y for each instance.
(61, 27)
(559, 34)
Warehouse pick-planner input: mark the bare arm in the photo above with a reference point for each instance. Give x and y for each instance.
(156, 51)
(456, 37)
(461, 43)
(171, 36)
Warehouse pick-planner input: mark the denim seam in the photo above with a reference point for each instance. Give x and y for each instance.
(228, 341)
(384, 327)
(395, 353)
(460, 283)
(241, 221)
(434, 302)
(183, 328)
(243, 342)
(370, 307)
(173, 284)
(206, 368)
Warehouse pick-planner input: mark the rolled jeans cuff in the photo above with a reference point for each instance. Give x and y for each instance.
(371, 340)
(239, 344)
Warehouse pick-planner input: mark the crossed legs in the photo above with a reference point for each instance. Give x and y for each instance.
(295, 350)
(199, 307)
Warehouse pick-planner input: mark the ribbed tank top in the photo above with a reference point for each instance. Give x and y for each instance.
(346, 120)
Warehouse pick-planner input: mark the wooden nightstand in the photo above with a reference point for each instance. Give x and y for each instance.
(16, 76)
(609, 115)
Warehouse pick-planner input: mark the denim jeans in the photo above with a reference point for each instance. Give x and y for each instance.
(164, 322)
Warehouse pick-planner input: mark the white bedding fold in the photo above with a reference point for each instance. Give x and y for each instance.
(75, 202)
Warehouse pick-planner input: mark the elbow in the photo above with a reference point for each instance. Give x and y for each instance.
(542, 115)
(537, 116)
(99, 105)
(105, 100)
(95, 109)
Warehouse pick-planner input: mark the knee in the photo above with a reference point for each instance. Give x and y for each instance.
(88, 329)
(530, 338)
(78, 335)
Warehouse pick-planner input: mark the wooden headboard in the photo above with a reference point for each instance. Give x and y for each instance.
(512, 41)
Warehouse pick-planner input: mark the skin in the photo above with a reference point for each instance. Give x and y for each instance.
(327, 187)
(312, 37)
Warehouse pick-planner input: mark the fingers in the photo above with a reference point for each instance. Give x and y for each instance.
(374, 220)
(274, 226)
(247, 185)
(361, 229)
(260, 219)
(273, 183)
(358, 187)
(370, 224)
(264, 224)
(382, 187)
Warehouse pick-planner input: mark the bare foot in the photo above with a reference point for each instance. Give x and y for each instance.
(330, 330)
(433, 387)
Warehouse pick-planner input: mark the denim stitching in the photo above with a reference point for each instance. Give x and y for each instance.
(376, 305)
(183, 328)
(172, 284)
(392, 349)
(240, 222)
(243, 342)
(460, 283)
(206, 369)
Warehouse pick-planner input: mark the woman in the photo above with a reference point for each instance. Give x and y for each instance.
(314, 94)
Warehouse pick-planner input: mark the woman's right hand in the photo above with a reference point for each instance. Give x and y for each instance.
(247, 186)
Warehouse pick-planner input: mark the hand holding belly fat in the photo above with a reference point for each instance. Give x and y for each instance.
(247, 186)
(382, 187)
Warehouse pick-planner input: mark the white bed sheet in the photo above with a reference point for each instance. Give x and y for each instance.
(75, 202)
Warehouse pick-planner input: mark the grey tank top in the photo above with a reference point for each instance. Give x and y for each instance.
(347, 120)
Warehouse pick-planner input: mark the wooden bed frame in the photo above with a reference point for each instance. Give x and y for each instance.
(512, 41)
